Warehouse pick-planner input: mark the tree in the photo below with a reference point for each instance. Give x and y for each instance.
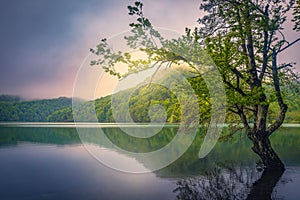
(244, 39)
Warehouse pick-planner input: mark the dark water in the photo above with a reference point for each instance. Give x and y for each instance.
(51, 163)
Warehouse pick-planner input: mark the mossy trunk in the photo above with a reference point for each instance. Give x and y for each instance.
(273, 167)
(263, 148)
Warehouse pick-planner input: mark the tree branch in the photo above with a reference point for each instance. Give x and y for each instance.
(289, 45)
(282, 105)
(285, 65)
(243, 117)
(265, 48)
(237, 89)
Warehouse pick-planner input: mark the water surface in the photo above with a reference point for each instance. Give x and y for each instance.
(50, 162)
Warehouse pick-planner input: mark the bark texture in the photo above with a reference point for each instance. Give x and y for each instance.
(263, 148)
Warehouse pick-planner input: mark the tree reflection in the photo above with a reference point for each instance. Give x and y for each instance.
(229, 183)
(263, 187)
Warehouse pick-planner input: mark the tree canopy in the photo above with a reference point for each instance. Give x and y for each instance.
(244, 39)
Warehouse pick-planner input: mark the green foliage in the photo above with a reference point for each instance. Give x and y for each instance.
(63, 115)
(296, 15)
(60, 110)
(141, 100)
(159, 52)
(242, 38)
(144, 97)
(245, 39)
(32, 111)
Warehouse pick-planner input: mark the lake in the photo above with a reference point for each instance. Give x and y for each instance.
(45, 161)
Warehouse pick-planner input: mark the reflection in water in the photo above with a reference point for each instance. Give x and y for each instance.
(44, 171)
(110, 157)
(218, 183)
(56, 135)
(230, 183)
(239, 181)
(263, 187)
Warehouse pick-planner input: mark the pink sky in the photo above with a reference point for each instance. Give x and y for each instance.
(45, 66)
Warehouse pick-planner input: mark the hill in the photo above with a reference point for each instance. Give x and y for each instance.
(140, 102)
(13, 109)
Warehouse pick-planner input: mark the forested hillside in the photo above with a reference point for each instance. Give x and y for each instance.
(140, 101)
(13, 109)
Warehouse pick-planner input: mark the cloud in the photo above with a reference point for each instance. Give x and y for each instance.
(44, 42)
(35, 37)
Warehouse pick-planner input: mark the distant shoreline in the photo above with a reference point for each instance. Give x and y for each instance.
(104, 125)
(81, 124)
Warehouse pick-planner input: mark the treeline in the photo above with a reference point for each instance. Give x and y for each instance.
(9, 98)
(146, 97)
(60, 110)
(12, 108)
(140, 101)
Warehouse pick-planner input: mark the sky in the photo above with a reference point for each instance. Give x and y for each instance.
(44, 42)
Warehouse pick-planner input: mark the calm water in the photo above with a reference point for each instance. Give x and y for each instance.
(48, 162)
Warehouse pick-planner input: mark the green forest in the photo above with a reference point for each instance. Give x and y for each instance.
(14, 109)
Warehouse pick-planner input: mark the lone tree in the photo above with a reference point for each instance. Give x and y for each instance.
(244, 38)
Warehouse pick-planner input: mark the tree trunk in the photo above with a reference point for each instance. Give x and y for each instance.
(274, 168)
(262, 147)
(263, 187)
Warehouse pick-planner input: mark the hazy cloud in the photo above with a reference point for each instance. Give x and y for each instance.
(43, 42)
